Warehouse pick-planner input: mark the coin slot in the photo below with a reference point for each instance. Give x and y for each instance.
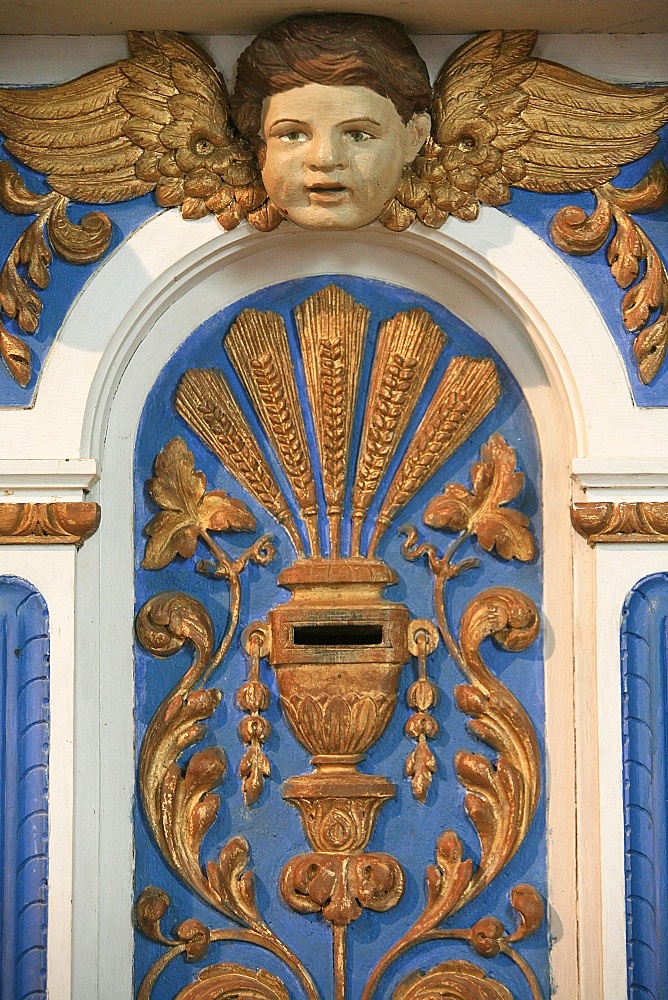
(337, 635)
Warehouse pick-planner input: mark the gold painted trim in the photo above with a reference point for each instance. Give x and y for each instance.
(48, 523)
(643, 521)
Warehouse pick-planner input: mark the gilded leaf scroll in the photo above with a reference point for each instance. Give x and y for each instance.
(634, 261)
(25, 272)
(229, 981)
(456, 980)
(501, 797)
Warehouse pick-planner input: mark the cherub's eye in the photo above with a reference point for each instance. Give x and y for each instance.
(294, 136)
(357, 135)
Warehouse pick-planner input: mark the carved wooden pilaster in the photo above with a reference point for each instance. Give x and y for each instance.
(48, 523)
(643, 521)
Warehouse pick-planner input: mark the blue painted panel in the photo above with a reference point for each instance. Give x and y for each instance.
(645, 752)
(24, 751)
(405, 829)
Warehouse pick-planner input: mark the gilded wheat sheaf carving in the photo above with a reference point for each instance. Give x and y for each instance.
(337, 615)
(160, 121)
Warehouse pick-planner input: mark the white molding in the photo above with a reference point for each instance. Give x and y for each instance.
(29, 60)
(46, 480)
(631, 480)
(166, 257)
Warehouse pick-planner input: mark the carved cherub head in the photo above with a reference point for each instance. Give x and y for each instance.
(336, 106)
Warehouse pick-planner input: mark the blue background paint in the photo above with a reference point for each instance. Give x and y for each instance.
(645, 755)
(405, 828)
(24, 754)
(67, 280)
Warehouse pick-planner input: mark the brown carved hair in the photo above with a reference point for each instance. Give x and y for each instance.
(341, 50)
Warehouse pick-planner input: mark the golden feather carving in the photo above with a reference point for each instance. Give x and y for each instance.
(166, 102)
(502, 119)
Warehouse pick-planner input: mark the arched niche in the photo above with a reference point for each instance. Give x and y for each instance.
(167, 280)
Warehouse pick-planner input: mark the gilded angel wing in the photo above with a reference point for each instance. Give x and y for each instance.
(502, 119)
(158, 121)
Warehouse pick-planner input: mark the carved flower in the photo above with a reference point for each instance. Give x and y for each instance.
(194, 158)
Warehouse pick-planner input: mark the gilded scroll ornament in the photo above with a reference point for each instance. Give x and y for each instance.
(451, 979)
(333, 124)
(59, 523)
(337, 647)
(643, 521)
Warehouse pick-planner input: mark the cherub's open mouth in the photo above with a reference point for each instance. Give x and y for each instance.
(326, 192)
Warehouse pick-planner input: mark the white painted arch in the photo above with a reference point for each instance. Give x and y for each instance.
(495, 257)
(133, 314)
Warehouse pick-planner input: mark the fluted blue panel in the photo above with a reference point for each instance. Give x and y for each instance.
(24, 751)
(644, 637)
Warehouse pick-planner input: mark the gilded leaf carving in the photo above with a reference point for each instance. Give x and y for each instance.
(25, 272)
(644, 521)
(421, 763)
(482, 511)
(634, 261)
(188, 511)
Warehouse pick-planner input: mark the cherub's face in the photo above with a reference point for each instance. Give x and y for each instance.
(334, 155)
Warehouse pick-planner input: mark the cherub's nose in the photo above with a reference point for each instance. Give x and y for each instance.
(327, 152)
